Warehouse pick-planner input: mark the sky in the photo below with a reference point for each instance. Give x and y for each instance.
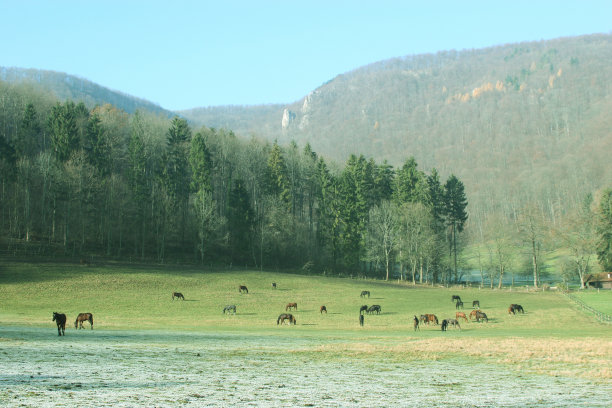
(187, 54)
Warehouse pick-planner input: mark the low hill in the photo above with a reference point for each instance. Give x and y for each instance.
(65, 87)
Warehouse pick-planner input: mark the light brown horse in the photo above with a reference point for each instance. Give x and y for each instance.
(460, 315)
(431, 318)
(83, 317)
(473, 314)
(291, 306)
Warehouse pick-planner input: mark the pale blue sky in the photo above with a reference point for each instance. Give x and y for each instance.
(185, 54)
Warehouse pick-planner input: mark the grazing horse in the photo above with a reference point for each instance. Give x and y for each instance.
(473, 314)
(60, 320)
(481, 315)
(431, 318)
(475, 304)
(363, 308)
(361, 320)
(83, 317)
(460, 315)
(177, 295)
(444, 324)
(365, 293)
(323, 309)
(242, 289)
(456, 297)
(291, 306)
(416, 323)
(286, 316)
(459, 305)
(423, 319)
(229, 308)
(454, 323)
(515, 308)
(373, 308)
(274, 285)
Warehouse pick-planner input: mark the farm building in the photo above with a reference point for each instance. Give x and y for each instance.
(599, 280)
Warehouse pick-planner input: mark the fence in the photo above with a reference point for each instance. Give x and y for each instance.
(602, 317)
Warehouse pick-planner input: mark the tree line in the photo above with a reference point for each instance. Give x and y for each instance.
(82, 182)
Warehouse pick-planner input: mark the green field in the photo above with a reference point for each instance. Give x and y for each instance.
(599, 300)
(136, 319)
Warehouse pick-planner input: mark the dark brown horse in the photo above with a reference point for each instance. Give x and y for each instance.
(444, 325)
(481, 316)
(177, 295)
(455, 297)
(60, 320)
(475, 304)
(460, 315)
(416, 323)
(513, 309)
(363, 308)
(323, 309)
(286, 317)
(274, 285)
(374, 308)
(83, 317)
(291, 306)
(365, 293)
(242, 289)
(459, 305)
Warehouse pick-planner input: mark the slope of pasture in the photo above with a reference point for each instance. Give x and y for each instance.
(600, 300)
(131, 297)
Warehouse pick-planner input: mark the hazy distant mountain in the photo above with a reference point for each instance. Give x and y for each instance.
(516, 122)
(65, 86)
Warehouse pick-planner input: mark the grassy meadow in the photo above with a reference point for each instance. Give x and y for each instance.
(553, 336)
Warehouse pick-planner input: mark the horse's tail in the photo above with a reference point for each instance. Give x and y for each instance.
(278, 320)
(91, 320)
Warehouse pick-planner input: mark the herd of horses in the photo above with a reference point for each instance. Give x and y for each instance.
(288, 318)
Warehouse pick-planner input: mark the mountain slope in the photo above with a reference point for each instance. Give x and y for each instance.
(518, 122)
(65, 86)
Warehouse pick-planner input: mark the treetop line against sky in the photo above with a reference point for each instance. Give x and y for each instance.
(190, 54)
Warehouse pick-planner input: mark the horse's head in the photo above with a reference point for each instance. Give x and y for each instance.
(54, 316)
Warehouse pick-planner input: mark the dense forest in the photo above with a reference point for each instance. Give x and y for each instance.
(89, 173)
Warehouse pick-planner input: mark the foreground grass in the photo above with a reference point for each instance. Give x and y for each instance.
(552, 337)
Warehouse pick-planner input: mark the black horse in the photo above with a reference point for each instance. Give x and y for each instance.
(177, 295)
(456, 297)
(515, 308)
(416, 323)
(444, 325)
(229, 308)
(242, 289)
(365, 293)
(373, 308)
(83, 317)
(459, 305)
(475, 304)
(60, 320)
(363, 308)
(274, 285)
(286, 316)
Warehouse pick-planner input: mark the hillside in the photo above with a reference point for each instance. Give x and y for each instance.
(69, 87)
(518, 122)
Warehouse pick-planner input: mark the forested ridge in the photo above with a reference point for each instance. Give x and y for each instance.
(530, 153)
